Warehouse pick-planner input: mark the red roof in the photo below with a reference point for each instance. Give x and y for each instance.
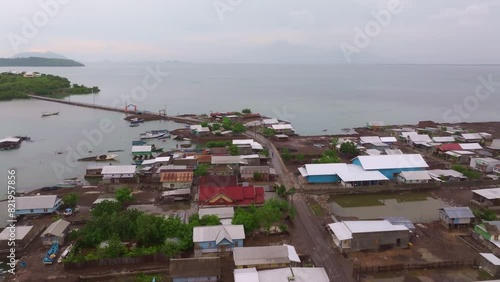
(450, 147)
(231, 196)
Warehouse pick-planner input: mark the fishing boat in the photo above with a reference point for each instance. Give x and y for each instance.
(133, 125)
(154, 149)
(65, 253)
(114, 151)
(100, 158)
(136, 120)
(51, 254)
(50, 114)
(138, 143)
(152, 135)
(69, 183)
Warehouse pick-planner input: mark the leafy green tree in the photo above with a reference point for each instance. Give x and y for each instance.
(124, 195)
(106, 207)
(201, 170)
(334, 142)
(209, 220)
(283, 228)
(285, 154)
(246, 111)
(216, 126)
(238, 128)
(349, 149)
(233, 150)
(265, 152)
(70, 200)
(329, 156)
(114, 249)
(300, 157)
(204, 124)
(257, 176)
(248, 219)
(268, 215)
(268, 132)
(227, 123)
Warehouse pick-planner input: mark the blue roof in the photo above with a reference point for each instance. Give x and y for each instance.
(399, 220)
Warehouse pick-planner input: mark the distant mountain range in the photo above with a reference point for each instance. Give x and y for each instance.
(282, 52)
(38, 59)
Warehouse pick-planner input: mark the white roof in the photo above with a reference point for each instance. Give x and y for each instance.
(490, 194)
(184, 191)
(57, 228)
(242, 141)
(228, 160)
(265, 255)
(173, 167)
(118, 169)
(416, 175)
(322, 169)
(246, 275)
(388, 139)
(471, 146)
(453, 154)
(222, 213)
(462, 152)
(445, 172)
(370, 139)
(199, 128)
(270, 121)
(495, 144)
(392, 161)
(36, 202)
(364, 226)
(443, 139)
(393, 152)
(420, 138)
(340, 230)
(254, 156)
(281, 126)
(10, 139)
(142, 148)
(162, 159)
(292, 253)
(491, 258)
(219, 232)
(301, 274)
(21, 232)
(353, 173)
(471, 136)
(406, 134)
(148, 162)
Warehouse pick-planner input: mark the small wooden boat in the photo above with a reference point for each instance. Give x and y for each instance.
(50, 257)
(65, 253)
(114, 151)
(100, 158)
(151, 135)
(138, 143)
(133, 125)
(50, 114)
(69, 183)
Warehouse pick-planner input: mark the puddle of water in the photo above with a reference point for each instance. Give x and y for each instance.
(418, 207)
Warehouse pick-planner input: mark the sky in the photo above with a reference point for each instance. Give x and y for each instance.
(423, 31)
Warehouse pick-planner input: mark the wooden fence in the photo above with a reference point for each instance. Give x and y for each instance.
(116, 261)
(364, 269)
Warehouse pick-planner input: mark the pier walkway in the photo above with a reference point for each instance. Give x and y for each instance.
(155, 116)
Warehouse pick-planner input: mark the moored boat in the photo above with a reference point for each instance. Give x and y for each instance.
(133, 125)
(50, 114)
(51, 254)
(100, 158)
(152, 135)
(69, 183)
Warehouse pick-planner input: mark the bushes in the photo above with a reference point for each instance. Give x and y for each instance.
(469, 173)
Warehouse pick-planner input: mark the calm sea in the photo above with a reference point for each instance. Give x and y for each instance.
(312, 97)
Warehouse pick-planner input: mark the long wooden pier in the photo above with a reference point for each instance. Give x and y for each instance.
(156, 116)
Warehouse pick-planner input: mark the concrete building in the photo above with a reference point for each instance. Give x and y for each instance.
(35, 205)
(265, 257)
(446, 175)
(119, 173)
(455, 217)
(195, 269)
(56, 232)
(348, 175)
(353, 236)
(23, 237)
(225, 214)
(485, 165)
(177, 179)
(391, 165)
(95, 170)
(217, 239)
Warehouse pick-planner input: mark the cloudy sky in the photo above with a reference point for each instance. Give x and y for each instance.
(423, 31)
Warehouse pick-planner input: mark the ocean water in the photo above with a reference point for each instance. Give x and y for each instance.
(312, 97)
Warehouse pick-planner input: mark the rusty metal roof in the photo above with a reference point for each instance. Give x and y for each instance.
(176, 176)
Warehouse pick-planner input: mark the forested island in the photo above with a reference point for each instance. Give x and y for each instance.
(18, 85)
(38, 62)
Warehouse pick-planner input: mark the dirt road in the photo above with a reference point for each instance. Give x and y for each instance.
(308, 228)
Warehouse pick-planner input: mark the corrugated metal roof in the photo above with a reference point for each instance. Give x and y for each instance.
(119, 169)
(282, 126)
(491, 258)
(260, 255)
(470, 146)
(471, 136)
(445, 172)
(458, 212)
(420, 138)
(176, 192)
(246, 275)
(370, 139)
(228, 160)
(36, 202)
(399, 220)
(300, 274)
(253, 169)
(490, 194)
(392, 161)
(176, 176)
(57, 228)
(366, 226)
(138, 149)
(340, 230)
(388, 139)
(393, 152)
(353, 173)
(443, 139)
(323, 169)
(210, 233)
(416, 175)
(21, 232)
(222, 213)
(270, 121)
